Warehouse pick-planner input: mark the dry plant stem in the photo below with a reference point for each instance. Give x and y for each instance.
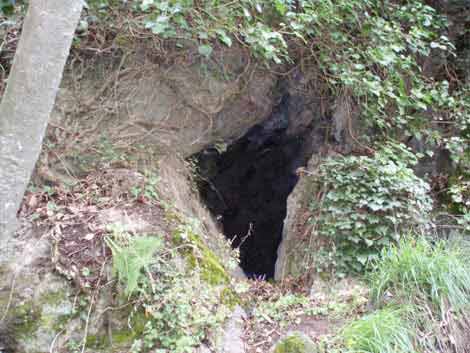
(92, 302)
(51, 349)
(10, 297)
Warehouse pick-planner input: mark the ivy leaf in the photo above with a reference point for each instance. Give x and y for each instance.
(159, 28)
(281, 7)
(362, 259)
(205, 50)
(223, 37)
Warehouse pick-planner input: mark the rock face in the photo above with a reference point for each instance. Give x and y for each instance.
(291, 251)
(180, 107)
(36, 303)
(44, 311)
(247, 183)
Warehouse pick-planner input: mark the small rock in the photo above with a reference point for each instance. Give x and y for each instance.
(294, 342)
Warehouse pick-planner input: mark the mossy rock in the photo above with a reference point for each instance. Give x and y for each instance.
(295, 342)
(205, 259)
(33, 323)
(229, 298)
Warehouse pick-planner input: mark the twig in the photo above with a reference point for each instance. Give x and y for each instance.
(51, 349)
(10, 298)
(85, 335)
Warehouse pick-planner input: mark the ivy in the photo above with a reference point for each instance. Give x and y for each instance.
(366, 204)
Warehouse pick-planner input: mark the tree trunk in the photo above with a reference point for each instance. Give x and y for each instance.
(32, 87)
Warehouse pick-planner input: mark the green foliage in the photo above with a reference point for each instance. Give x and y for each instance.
(366, 49)
(384, 331)
(132, 256)
(459, 147)
(283, 310)
(417, 271)
(212, 21)
(200, 256)
(294, 343)
(180, 307)
(366, 202)
(148, 189)
(7, 7)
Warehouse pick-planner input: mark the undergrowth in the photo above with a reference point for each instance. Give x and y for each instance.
(180, 301)
(418, 270)
(384, 331)
(422, 295)
(363, 204)
(434, 280)
(132, 257)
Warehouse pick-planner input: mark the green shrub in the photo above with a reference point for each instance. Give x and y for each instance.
(366, 202)
(384, 331)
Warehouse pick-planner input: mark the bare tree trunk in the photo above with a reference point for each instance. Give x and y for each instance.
(32, 87)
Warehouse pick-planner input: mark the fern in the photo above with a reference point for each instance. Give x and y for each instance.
(132, 255)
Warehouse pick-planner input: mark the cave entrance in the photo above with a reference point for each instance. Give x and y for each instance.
(246, 189)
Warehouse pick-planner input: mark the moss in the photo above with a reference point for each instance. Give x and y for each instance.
(200, 256)
(122, 338)
(37, 316)
(172, 216)
(26, 320)
(97, 341)
(294, 344)
(229, 298)
(123, 41)
(212, 270)
(56, 309)
(53, 298)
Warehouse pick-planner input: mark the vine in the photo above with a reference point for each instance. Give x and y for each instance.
(366, 204)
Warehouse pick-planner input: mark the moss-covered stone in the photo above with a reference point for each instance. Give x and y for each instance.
(211, 269)
(200, 256)
(121, 337)
(295, 342)
(34, 318)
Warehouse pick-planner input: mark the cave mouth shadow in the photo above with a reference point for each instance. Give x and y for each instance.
(246, 189)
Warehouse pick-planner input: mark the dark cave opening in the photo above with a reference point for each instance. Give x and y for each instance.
(246, 189)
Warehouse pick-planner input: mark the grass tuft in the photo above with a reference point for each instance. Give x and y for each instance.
(418, 271)
(384, 331)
